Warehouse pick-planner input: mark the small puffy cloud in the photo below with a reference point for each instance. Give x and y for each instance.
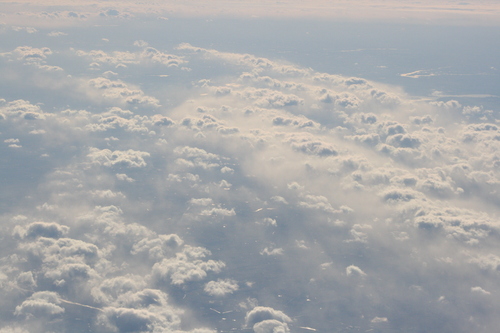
(221, 287)
(41, 229)
(23, 109)
(13, 143)
(263, 313)
(140, 43)
(479, 290)
(187, 265)
(354, 271)
(159, 120)
(56, 34)
(129, 158)
(227, 170)
(40, 304)
(267, 221)
(124, 177)
(377, 320)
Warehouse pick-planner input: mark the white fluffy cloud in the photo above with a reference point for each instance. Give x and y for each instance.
(261, 314)
(187, 265)
(43, 303)
(221, 287)
(106, 157)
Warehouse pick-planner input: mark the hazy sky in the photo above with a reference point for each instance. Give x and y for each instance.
(249, 166)
(427, 11)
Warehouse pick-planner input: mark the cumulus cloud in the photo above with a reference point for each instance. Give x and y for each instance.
(354, 271)
(262, 313)
(480, 291)
(147, 55)
(12, 329)
(119, 91)
(221, 287)
(41, 229)
(40, 304)
(106, 157)
(187, 265)
(379, 320)
(218, 211)
(30, 54)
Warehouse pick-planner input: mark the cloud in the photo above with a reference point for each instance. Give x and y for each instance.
(26, 281)
(243, 181)
(261, 313)
(221, 287)
(480, 291)
(42, 229)
(40, 304)
(354, 271)
(129, 158)
(187, 265)
(376, 320)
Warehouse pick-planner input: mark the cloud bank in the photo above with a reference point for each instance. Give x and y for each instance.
(66, 13)
(257, 196)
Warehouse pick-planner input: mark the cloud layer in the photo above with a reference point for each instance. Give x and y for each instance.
(449, 11)
(241, 193)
